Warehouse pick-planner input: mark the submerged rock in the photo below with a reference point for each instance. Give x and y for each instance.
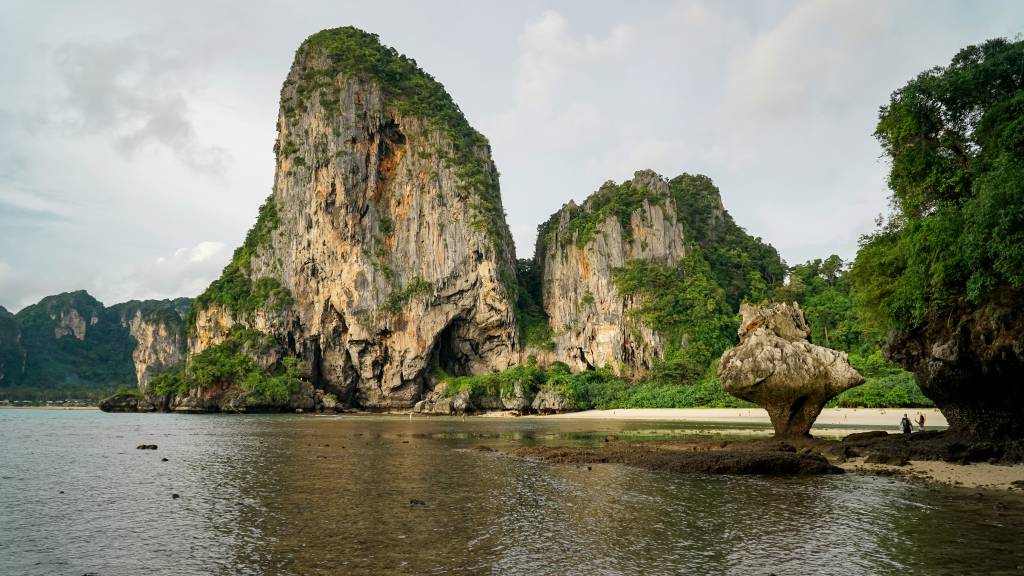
(775, 366)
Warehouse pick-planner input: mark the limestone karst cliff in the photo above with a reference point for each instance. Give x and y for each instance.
(970, 362)
(158, 330)
(596, 259)
(382, 255)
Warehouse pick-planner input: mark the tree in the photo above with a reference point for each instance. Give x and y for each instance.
(955, 138)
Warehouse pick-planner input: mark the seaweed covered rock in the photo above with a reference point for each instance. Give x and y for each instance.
(776, 367)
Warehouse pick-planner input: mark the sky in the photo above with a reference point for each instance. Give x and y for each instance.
(136, 137)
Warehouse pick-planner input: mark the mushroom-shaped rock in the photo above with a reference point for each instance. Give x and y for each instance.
(775, 366)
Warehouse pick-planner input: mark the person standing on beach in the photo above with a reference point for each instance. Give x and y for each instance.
(905, 425)
(920, 422)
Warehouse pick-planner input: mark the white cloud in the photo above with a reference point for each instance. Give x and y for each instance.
(185, 272)
(136, 93)
(549, 52)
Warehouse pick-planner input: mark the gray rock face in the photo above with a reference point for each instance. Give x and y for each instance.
(438, 402)
(776, 367)
(381, 242)
(551, 402)
(970, 363)
(588, 315)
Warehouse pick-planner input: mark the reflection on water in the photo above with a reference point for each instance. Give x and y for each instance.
(368, 495)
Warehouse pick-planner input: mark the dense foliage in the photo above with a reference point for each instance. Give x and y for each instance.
(686, 307)
(744, 266)
(595, 389)
(102, 359)
(235, 290)
(534, 326)
(885, 386)
(824, 290)
(233, 363)
(955, 139)
(412, 92)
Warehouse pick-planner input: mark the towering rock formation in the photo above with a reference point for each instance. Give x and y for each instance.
(777, 367)
(382, 255)
(578, 249)
(650, 221)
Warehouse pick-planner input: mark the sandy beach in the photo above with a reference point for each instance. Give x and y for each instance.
(874, 418)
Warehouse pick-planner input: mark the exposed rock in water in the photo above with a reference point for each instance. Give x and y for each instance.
(971, 364)
(758, 458)
(382, 254)
(128, 403)
(947, 445)
(776, 367)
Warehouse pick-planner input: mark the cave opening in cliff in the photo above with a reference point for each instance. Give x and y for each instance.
(449, 353)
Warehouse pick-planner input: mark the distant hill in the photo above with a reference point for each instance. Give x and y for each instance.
(70, 345)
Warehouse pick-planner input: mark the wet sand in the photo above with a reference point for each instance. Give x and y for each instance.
(976, 475)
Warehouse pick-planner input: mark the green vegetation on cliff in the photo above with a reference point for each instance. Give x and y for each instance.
(597, 389)
(619, 201)
(69, 346)
(235, 290)
(397, 299)
(534, 327)
(73, 342)
(413, 92)
(955, 138)
(234, 362)
(744, 266)
(686, 307)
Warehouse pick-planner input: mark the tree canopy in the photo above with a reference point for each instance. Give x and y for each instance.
(955, 139)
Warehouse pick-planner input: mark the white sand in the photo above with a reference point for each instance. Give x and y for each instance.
(875, 418)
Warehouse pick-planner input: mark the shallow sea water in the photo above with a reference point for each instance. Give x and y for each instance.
(302, 494)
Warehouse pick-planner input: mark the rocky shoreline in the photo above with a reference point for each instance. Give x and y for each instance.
(939, 457)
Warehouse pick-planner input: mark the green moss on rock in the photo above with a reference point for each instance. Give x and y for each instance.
(235, 290)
